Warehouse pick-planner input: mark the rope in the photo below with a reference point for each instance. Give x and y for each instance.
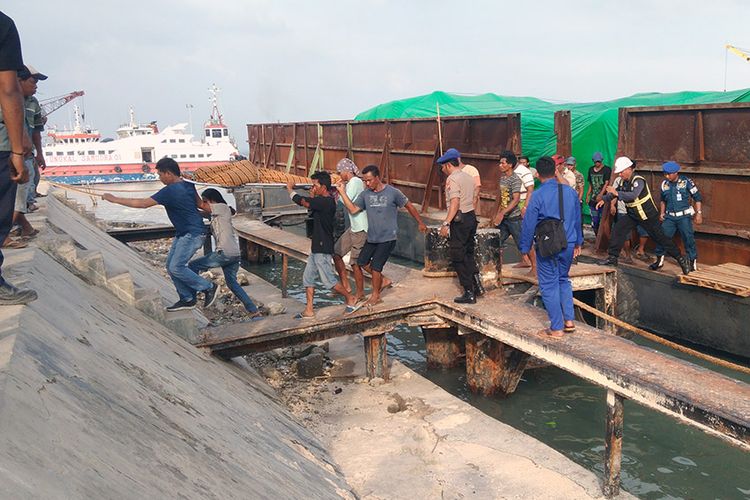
(651, 336)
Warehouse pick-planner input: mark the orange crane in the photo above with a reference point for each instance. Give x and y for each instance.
(55, 103)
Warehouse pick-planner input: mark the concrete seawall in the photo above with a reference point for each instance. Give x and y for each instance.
(98, 400)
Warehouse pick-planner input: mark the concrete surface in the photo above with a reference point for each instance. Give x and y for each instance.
(97, 400)
(436, 447)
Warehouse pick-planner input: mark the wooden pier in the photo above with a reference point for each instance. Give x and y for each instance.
(498, 335)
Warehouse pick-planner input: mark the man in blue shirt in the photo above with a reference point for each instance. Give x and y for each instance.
(180, 199)
(676, 213)
(552, 271)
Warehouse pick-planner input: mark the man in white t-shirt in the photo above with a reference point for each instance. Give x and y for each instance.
(453, 157)
(527, 185)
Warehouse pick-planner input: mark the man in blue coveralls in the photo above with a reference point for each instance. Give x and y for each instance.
(552, 271)
(676, 212)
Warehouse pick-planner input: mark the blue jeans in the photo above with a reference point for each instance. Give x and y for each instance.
(510, 227)
(185, 280)
(554, 283)
(596, 215)
(229, 266)
(683, 224)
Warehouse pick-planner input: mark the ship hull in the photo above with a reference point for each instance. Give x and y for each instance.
(74, 174)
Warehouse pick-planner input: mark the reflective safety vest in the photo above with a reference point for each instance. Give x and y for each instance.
(643, 207)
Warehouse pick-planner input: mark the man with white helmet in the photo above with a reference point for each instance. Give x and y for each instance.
(641, 211)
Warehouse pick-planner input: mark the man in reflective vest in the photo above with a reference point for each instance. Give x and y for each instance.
(641, 211)
(677, 213)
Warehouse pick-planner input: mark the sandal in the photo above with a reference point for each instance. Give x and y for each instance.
(569, 329)
(547, 333)
(303, 317)
(15, 244)
(352, 309)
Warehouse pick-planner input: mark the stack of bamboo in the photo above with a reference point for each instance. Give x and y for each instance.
(237, 173)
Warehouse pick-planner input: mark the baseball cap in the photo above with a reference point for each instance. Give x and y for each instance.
(451, 154)
(597, 157)
(571, 160)
(671, 167)
(622, 163)
(28, 71)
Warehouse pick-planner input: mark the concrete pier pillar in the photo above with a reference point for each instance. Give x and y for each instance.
(445, 348)
(491, 366)
(376, 358)
(486, 254)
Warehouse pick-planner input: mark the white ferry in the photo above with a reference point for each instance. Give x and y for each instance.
(81, 155)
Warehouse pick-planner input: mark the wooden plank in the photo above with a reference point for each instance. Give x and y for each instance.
(613, 445)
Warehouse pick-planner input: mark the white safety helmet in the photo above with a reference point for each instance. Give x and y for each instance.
(622, 163)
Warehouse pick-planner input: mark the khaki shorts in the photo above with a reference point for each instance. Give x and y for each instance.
(350, 242)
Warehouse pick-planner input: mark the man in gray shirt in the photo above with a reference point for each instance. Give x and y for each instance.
(381, 203)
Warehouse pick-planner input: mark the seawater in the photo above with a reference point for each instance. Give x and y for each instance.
(662, 458)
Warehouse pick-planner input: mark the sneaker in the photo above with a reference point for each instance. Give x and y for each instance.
(609, 261)
(182, 305)
(658, 264)
(684, 263)
(694, 264)
(10, 295)
(209, 296)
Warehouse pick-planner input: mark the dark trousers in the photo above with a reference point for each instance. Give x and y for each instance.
(624, 227)
(7, 202)
(683, 224)
(461, 248)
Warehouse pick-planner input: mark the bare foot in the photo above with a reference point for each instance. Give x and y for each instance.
(371, 303)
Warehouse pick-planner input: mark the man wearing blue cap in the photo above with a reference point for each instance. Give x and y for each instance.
(462, 221)
(453, 156)
(676, 212)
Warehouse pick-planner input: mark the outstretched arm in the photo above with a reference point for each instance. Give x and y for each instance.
(413, 212)
(129, 202)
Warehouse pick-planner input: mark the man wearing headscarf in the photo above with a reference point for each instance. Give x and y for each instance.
(355, 236)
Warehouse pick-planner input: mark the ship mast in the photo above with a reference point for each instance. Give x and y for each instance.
(216, 118)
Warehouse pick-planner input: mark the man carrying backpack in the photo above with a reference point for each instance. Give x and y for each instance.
(558, 241)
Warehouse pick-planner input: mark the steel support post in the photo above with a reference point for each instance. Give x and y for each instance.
(491, 366)
(613, 445)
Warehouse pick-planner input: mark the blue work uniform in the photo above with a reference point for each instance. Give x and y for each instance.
(679, 212)
(552, 271)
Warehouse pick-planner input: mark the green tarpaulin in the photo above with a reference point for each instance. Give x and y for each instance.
(593, 125)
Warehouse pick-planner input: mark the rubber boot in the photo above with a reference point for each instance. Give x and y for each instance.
(467, 298)
(478, 286)
(657, 264)
(684, 263)
(609, 261)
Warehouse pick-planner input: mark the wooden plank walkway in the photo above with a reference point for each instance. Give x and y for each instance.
(730, 278)
(713, 402)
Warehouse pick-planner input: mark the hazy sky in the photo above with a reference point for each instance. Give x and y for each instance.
(294, 60)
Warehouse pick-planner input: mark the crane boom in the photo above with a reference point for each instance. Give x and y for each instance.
(738, 52)
(55, 103)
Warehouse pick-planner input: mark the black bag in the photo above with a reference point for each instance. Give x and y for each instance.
(550, 233)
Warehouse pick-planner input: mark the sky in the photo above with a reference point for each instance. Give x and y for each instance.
(319, 60)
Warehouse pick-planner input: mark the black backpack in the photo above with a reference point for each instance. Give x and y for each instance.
(550, 233)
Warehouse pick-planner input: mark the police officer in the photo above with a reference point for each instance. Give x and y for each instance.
(676, 212)
(462, 221)
(641, 211)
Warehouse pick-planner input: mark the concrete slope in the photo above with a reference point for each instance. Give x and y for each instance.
(99, 401)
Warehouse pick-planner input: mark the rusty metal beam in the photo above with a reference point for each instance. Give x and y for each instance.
(376, 357)
(613, 445)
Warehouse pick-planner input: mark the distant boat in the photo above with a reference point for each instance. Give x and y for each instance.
(81, 155)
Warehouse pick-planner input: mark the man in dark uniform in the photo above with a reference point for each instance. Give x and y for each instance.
(676, 212)
(462, 221)
(641, 211)
(14, 145)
